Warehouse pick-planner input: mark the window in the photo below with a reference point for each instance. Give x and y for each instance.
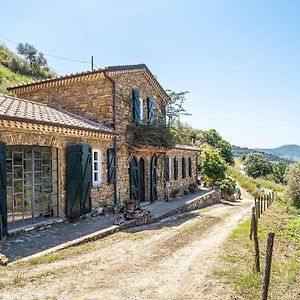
(190, 167)
(150, 106)
(111, 157)
(175, 168)
(183, 169)
(97, 168)
(141, 110)
(167, 169)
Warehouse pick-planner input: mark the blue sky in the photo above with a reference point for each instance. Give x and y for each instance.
(239, 60)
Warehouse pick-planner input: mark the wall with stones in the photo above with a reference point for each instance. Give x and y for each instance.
(90, 98)
(103, 193)
(181, 183)
(125, 83)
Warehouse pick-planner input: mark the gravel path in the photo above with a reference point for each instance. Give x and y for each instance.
(171, 259)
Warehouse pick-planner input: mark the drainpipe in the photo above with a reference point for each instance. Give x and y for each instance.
(115, 137)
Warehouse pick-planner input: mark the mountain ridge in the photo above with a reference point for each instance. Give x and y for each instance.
(288, 151)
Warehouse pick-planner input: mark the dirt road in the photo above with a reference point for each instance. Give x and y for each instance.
(172, 259)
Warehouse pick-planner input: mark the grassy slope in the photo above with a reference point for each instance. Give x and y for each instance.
(9, 78)
(284, 220)
(285, 273)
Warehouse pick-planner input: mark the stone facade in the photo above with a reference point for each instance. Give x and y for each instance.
(92, 96)
(28, 134)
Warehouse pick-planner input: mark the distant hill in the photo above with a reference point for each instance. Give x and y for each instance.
(290, 152)
(240, 151)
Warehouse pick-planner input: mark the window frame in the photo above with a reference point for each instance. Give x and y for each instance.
(99, 171)
(142, 117)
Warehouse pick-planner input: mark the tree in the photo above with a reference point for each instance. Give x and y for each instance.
(256, 165)
(36, 59)
(279, 171)
(292, 178)
(174, 108)
(213, 166)
(214, 139)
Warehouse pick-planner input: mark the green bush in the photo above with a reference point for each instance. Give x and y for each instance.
(293, 184)
(227, 186)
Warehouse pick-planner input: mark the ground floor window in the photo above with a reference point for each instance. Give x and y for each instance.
(97, 167)
(32, 182)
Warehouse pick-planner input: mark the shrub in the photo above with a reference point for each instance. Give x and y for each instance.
(227, 186)
(293, 184)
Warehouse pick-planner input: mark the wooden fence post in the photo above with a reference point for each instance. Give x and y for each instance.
(261, 204)
(270, 243)
(251, 225)
(256, 246)
(257, 208)
(265, 199)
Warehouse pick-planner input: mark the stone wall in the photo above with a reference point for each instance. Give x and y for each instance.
(181, 183)
(89, 98)
(125, 83)
(92, 98)
(101, 194)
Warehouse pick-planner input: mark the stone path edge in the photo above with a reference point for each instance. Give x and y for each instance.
(203, 201)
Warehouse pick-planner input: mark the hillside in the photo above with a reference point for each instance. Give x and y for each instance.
(240, 151)
(16, 70)
(290, 152)
(10, 78)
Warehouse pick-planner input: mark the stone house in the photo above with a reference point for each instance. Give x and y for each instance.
(113, 101)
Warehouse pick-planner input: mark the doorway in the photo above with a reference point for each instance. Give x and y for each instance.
(141, 180)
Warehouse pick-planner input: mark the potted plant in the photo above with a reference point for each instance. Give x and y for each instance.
(130, 204)
(193, 188)
(175, 193)
(105, 210)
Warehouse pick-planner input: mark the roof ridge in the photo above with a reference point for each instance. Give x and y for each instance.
(88, 72)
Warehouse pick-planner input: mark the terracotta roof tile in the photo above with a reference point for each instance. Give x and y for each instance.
(15, 108)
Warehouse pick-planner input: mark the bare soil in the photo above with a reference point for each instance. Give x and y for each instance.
(171, 259)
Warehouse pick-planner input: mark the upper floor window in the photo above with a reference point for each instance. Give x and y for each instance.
(97, 167)
(136, 106)
(150, 106)
(141, 109)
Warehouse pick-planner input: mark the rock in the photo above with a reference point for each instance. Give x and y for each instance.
(3, 260)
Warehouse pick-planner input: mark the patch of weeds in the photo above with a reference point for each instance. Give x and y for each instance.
(45, 259)
(42, 275)
(19, 281)
(2, 285)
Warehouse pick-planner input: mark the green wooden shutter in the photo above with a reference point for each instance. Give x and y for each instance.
(167, 168)
(79, 180)
(134, 179)
(190, 167)
(111, 156)
(183, 170)
(136, 106)
(153, 182)
(3, 192)
(175, 168)
(150, 104)
(86, 203)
